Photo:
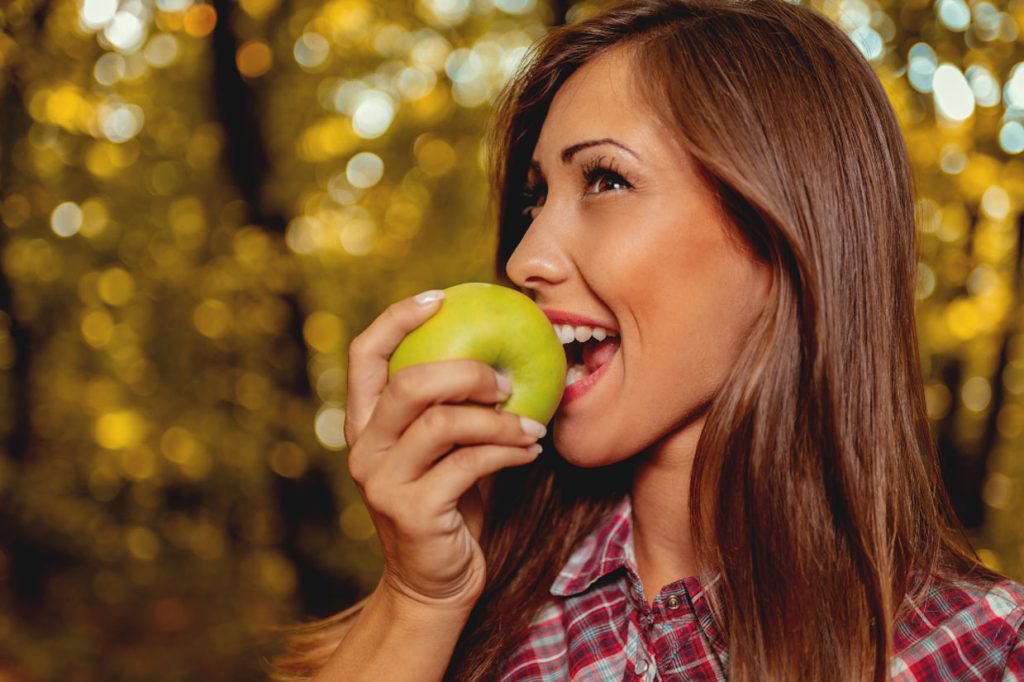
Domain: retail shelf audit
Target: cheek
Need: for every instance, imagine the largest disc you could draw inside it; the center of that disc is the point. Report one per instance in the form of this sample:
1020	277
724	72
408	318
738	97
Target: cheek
692	311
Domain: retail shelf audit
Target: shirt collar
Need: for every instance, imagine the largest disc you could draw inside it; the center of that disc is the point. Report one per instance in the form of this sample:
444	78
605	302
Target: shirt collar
600	553
608	548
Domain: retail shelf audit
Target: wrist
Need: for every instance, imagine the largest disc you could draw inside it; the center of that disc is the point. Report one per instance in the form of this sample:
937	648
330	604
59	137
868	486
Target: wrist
405	605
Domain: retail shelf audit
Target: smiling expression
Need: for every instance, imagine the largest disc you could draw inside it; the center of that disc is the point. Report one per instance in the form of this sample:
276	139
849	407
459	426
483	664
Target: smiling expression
625	229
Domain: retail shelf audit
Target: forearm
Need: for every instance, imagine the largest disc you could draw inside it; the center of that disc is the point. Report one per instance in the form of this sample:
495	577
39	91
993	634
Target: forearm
395	641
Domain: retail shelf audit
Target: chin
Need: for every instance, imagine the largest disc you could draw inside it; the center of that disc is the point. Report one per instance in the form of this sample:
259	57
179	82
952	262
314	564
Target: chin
577	452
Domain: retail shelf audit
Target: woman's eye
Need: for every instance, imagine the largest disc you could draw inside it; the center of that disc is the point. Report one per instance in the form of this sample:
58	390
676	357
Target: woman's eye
601	179
597	179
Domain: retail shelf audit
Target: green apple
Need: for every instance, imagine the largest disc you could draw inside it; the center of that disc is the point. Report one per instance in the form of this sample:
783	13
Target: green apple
502	328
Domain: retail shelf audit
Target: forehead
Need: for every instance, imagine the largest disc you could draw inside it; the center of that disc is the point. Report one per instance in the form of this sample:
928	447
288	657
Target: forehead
602	93
603	99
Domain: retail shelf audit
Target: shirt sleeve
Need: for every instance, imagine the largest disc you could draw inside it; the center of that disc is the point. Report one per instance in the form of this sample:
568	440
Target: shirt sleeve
1015	661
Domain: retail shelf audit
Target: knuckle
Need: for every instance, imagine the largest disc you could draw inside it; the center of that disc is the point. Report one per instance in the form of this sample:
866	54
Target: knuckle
468	459
437	419
375	498
404	386
356	349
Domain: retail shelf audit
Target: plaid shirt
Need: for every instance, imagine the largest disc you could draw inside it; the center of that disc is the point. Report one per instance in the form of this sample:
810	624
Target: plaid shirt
598	626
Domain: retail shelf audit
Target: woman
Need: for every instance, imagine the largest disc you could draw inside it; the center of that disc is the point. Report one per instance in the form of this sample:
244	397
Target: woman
748	490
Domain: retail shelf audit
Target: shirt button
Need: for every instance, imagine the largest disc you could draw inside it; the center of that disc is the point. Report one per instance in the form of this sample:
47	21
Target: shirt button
673	602
640	667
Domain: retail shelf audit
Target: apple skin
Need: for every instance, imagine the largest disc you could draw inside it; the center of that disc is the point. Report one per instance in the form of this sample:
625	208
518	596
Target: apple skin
502	328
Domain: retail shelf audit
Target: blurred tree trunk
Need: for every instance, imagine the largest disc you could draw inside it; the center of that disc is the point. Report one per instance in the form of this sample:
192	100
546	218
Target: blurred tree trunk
15	126
308	500
560	8
966	467
32	558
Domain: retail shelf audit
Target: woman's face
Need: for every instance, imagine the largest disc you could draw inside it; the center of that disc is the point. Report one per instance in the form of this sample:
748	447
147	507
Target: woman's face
627	233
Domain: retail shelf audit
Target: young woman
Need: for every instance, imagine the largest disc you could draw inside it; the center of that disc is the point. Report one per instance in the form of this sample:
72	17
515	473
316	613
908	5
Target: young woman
747	486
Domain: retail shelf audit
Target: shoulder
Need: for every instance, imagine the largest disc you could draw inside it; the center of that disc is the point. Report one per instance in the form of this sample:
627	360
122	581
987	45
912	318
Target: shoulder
959	629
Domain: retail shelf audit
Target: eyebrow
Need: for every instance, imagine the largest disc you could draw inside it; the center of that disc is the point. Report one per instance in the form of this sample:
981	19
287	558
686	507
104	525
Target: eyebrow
572	150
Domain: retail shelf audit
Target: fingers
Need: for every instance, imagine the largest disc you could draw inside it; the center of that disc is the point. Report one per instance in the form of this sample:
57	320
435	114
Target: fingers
453	476
442	428
414	389
369	352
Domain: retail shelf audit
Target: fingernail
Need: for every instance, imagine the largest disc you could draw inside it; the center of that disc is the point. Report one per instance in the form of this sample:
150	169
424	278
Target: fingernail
429	296
504	384
532	427
536	448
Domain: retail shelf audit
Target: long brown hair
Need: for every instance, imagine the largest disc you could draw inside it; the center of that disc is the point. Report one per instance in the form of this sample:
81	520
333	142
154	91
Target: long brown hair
815	491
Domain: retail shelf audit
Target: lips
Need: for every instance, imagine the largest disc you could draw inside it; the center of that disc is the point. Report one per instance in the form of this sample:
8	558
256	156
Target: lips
584	384
587	358
563	317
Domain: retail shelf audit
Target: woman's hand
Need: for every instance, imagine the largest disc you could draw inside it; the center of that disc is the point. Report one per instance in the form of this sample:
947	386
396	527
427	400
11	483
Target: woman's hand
416	452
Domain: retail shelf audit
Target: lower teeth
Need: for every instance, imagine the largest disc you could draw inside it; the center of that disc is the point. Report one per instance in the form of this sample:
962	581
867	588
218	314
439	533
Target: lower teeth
575	373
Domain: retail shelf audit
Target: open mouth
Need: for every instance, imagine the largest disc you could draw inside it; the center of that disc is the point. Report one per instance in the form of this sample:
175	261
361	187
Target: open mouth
586	350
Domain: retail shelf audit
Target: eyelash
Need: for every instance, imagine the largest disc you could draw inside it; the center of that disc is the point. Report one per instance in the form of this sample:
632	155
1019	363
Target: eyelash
594	169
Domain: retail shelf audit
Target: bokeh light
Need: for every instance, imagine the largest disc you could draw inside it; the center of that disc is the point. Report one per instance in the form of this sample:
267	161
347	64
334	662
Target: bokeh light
953	96
372	113
66	219
254	58
311	50
364	170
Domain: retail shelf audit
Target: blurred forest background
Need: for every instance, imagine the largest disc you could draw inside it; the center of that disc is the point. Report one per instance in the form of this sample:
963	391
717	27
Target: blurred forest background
203	202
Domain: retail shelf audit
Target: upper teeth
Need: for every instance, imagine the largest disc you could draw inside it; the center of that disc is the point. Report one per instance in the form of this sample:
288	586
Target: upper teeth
568	333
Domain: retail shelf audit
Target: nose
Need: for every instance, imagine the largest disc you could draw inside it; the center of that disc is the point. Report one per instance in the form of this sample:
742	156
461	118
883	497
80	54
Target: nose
539	261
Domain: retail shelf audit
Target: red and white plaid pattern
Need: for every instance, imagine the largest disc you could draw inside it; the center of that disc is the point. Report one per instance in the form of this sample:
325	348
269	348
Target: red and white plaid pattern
598	626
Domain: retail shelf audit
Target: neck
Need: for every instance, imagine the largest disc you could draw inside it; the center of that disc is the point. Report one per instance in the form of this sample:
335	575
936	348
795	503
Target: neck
661	516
